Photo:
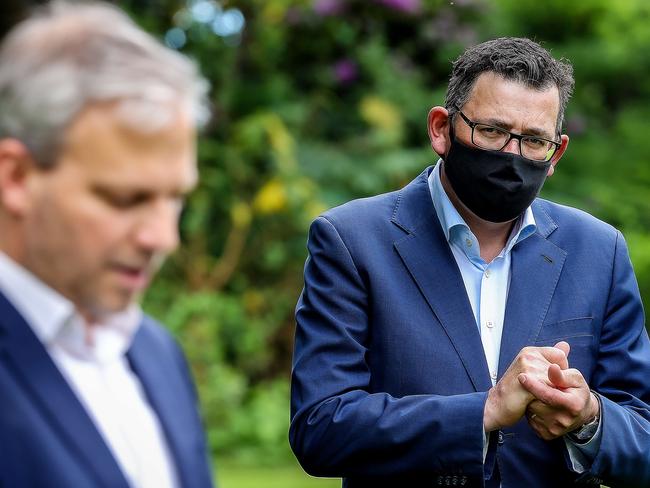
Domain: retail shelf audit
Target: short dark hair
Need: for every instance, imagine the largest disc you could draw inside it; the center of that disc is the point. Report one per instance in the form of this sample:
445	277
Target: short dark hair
513	58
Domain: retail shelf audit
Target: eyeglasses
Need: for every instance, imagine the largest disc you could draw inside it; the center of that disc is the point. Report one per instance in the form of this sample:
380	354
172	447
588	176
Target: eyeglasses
495	138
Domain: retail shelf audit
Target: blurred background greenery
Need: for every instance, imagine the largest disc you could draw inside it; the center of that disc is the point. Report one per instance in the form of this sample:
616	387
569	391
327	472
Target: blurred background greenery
320	101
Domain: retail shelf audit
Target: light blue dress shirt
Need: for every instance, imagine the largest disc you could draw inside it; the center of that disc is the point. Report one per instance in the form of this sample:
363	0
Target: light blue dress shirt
487	289
486	283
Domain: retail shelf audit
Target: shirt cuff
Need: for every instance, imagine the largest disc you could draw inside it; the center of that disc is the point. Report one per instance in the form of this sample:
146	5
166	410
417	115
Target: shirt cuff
486	443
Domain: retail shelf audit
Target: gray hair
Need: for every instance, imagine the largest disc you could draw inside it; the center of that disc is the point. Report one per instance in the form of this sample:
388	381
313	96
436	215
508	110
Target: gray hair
67	56
515	59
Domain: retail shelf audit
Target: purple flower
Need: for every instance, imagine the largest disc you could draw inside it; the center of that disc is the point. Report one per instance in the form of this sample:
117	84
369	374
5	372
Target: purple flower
407	6
345	71
328	7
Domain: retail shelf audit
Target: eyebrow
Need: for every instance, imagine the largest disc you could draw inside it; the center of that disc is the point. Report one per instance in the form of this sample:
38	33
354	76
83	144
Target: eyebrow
530	131
108	190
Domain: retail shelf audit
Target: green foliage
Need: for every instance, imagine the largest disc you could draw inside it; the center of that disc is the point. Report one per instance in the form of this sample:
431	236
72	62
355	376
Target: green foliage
313	108
232	475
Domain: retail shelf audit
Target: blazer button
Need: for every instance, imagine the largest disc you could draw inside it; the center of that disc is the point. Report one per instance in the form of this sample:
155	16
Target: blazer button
501	438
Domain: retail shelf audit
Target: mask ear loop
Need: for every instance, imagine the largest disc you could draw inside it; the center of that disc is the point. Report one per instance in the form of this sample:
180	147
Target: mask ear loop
452	132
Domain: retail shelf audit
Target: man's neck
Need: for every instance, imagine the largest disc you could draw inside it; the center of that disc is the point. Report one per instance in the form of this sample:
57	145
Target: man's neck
492	236
11	246
11	238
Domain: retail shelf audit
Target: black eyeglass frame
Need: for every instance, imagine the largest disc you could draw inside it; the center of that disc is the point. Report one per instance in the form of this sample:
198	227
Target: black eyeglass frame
512	135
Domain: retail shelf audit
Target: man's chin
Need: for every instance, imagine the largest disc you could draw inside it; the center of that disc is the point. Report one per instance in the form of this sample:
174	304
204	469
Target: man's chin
111	304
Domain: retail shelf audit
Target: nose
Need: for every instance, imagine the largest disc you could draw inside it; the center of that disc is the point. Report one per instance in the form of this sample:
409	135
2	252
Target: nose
157	231
512	146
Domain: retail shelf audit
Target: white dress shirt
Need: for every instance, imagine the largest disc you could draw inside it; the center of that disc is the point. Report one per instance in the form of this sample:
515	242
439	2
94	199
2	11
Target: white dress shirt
487	287
92	360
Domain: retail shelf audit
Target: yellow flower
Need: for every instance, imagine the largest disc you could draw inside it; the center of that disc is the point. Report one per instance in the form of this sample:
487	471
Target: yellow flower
380	113
271	198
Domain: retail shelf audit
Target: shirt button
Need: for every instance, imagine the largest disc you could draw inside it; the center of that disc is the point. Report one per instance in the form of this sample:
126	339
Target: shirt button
468	242
489	324
500	439
487	273
493	375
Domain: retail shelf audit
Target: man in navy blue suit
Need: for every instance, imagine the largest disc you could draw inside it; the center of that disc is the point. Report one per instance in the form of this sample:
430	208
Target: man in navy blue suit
97	151
462	331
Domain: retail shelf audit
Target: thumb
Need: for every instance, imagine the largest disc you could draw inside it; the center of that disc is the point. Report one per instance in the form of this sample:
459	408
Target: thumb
564	346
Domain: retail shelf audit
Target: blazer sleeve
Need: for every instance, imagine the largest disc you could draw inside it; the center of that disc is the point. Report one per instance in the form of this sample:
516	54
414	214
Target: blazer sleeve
339	427
622	377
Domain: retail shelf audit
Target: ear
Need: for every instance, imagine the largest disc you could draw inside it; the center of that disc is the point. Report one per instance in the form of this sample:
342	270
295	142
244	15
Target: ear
564	142
438	128
16	164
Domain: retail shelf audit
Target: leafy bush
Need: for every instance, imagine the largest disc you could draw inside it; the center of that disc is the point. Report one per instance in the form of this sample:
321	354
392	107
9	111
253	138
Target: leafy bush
318	102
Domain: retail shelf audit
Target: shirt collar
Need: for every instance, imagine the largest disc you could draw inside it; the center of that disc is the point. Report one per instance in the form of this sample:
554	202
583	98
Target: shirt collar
56	322
454	226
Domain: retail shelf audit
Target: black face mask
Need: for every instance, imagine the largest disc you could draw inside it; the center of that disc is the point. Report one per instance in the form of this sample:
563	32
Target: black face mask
496	186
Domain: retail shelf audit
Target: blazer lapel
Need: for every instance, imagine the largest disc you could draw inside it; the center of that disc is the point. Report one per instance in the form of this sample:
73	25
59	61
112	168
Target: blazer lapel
430	262
163	385
34	369
536	267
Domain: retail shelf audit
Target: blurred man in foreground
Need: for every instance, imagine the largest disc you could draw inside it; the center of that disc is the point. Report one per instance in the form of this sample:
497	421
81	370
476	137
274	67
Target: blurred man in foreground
97	151
461	331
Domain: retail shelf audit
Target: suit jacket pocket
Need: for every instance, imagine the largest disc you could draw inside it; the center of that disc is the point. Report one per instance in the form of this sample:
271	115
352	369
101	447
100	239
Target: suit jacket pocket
576	332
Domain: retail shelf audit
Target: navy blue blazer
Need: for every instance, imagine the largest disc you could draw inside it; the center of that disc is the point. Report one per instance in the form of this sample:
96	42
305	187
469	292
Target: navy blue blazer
48	439
389	376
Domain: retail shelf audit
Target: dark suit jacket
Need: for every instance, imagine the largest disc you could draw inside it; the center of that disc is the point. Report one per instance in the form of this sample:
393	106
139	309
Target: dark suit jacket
389	375
47	438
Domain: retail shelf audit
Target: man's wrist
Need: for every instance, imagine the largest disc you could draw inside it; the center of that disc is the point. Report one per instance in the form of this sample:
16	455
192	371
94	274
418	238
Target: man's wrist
489	422
588	429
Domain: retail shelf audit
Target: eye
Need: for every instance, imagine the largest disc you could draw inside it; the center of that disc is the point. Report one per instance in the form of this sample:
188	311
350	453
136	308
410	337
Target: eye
124	200
535	143
490	132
